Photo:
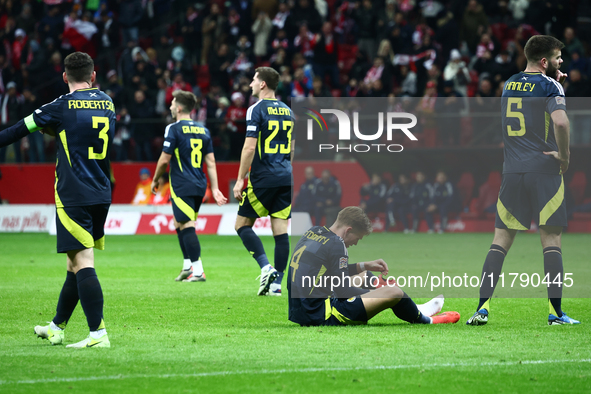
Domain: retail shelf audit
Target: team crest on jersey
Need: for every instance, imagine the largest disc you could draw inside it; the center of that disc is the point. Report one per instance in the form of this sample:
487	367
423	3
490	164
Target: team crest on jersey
351	299
560	100
343	262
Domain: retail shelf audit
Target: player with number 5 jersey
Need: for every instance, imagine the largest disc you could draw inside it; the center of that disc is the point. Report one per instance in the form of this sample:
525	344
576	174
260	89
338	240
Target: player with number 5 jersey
535	131
267	152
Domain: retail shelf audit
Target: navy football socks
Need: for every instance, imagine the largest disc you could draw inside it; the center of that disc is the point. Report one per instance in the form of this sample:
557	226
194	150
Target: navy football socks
183	249
407	310
493	264
91	297
253	244
192	245
281	255
67	301
554	269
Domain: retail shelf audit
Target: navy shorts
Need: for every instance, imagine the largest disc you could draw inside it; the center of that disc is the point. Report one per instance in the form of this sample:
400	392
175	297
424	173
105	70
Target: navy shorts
186	208
346	312
531	196
81	227
259	202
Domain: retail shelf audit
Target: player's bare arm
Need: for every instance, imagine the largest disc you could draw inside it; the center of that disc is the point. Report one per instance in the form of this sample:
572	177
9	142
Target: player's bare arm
378	265
163	162
213	180
561	133
246	158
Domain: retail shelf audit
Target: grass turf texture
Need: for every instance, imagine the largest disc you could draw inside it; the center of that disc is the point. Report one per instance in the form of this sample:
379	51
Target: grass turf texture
218	336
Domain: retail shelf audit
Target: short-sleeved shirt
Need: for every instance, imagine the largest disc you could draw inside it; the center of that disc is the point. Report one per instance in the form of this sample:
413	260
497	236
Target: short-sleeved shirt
527	102
271	122
318	256
188	142
84	125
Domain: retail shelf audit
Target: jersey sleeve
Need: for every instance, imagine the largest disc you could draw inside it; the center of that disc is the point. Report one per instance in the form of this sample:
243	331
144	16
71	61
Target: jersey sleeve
253	118
47	115
339	262
555	97
169	140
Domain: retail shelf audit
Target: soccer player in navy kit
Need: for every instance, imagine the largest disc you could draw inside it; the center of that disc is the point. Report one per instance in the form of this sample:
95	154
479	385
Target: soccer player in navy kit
83	122
187	146
536	150
267	151
321	257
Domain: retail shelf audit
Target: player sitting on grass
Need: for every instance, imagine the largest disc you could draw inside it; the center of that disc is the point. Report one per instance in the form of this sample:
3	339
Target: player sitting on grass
321	256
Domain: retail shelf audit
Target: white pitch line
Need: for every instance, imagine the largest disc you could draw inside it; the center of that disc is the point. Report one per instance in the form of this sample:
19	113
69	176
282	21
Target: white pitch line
282	371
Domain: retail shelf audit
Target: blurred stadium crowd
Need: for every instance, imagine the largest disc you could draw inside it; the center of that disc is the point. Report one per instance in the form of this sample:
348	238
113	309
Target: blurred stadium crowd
146	49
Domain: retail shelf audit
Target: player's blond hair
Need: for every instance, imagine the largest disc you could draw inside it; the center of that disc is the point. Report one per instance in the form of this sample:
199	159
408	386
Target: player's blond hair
357	219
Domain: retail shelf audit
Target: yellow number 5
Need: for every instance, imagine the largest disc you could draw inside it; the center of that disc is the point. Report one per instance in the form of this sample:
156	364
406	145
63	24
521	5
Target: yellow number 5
515	114
103	135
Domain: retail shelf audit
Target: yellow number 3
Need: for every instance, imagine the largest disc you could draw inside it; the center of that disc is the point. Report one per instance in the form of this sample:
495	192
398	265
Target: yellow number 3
515	114
103	135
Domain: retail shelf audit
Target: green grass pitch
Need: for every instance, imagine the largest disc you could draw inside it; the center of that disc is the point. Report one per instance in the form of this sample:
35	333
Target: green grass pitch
218	336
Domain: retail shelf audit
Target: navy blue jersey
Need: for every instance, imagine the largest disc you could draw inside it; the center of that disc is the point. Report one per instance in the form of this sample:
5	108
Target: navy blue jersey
401	194
318	256
528	131
422	194
328	191
84	124
306	196
188	142
443	193
271	122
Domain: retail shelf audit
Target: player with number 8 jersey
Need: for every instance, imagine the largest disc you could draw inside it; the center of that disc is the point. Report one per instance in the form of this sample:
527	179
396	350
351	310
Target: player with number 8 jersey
267	152
187	147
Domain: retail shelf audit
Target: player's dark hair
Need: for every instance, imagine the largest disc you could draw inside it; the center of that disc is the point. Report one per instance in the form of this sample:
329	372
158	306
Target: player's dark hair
538	47
355	218
269	76
79	67
185	99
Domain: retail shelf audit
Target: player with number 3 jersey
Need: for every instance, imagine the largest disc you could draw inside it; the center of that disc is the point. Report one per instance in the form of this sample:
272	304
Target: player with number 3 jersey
83	122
